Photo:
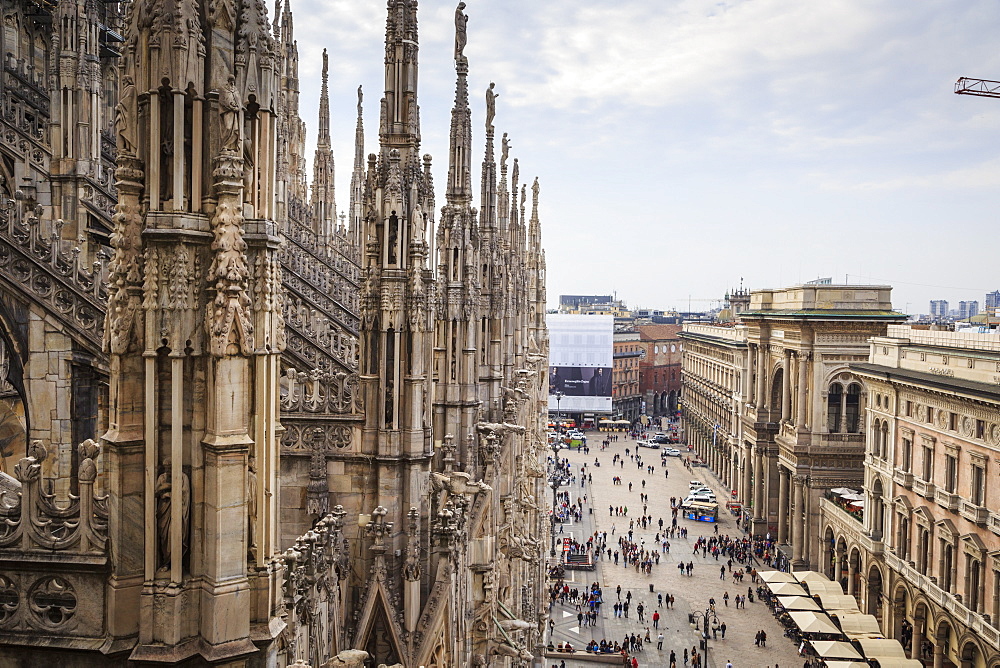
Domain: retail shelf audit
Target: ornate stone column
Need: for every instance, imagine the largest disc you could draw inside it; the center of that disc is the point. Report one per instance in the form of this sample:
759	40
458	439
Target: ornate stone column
798	519
761	376
758	486
801	408
783	510
786	385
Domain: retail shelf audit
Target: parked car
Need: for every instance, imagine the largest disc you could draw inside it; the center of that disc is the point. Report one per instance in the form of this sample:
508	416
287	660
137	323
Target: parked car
695	484
671	452
647	444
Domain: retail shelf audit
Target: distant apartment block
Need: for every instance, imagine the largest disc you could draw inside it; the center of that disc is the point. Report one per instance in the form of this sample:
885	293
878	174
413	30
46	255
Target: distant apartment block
939	308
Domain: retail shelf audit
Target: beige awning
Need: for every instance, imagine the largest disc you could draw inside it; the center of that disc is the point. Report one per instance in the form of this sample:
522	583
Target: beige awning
878	648
776	576
821	587
835	649
813	622
838	602
797	603
896	662
787	589
810	576
846	664
856	624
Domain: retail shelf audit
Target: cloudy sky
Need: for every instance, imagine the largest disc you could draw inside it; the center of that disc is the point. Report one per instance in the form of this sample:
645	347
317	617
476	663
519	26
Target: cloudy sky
684	144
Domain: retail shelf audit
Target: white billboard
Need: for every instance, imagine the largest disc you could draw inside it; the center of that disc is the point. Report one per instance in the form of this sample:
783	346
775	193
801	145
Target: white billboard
581	358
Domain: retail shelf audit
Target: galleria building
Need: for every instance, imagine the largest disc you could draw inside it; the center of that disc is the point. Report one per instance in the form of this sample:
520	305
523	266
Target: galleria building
236	428
817	391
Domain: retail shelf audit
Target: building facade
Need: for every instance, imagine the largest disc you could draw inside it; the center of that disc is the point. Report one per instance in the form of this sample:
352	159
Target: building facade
929	552
715	372
626	399
660	370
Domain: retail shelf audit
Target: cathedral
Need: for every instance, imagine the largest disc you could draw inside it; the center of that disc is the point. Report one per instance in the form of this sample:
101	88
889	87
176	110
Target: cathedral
241	426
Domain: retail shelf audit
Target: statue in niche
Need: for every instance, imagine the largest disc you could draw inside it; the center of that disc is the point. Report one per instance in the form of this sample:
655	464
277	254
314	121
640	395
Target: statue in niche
418	223
126	106
393	236
491	105
461	31
230	106
388	402
252	508
165	498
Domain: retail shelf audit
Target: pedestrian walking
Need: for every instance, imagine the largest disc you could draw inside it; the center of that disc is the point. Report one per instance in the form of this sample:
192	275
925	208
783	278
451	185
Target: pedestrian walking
722	629
659	640
656	620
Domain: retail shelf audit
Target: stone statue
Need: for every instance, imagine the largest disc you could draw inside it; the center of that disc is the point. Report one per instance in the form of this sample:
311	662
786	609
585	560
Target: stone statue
461	31
417	221
361	97
491	105
252	508
349	658
126	106
164	502
504	150
230	106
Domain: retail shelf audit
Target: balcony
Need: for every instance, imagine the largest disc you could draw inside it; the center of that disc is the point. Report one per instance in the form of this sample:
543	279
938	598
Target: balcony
973	513
924	488
994	523
946	499
873	545
904	478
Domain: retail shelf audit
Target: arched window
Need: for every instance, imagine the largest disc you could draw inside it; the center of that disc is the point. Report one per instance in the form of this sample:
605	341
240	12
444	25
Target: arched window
776	389
853	409
834	403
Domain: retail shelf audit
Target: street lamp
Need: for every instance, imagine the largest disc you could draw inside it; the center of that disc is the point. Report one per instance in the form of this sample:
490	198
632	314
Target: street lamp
559	396
702	619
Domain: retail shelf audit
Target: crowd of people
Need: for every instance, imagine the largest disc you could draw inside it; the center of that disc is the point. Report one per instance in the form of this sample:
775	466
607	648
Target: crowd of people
739	558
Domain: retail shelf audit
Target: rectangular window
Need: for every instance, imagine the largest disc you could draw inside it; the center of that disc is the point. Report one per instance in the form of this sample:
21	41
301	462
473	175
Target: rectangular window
953	421
980	429
930	415
950	473
907	454
909	409
928	464
978	495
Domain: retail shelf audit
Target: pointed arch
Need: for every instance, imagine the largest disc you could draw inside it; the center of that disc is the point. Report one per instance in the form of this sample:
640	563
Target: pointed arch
377	627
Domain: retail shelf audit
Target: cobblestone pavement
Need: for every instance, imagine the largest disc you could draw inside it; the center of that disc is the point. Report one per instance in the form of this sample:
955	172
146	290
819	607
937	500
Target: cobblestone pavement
691	593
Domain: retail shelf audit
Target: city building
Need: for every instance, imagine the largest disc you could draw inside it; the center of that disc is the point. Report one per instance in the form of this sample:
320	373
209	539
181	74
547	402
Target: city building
992	301
939	308
660	369
716	383
967	309
252	435
927	555
626	399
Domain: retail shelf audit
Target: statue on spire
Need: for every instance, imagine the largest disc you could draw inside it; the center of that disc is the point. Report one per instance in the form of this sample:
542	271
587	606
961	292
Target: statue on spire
504	150
461	31
361	97
491	105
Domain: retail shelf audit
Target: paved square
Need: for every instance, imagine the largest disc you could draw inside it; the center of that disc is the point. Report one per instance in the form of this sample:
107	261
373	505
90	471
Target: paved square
691	593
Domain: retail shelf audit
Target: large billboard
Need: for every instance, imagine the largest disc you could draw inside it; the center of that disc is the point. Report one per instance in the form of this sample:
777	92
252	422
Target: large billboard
581	350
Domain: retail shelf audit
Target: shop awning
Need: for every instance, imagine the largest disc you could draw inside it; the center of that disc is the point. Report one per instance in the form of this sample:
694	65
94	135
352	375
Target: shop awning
797	603
787	589
813	622
810	576
776	576
817	587
835	649
881	648
837	602
859	625
896	662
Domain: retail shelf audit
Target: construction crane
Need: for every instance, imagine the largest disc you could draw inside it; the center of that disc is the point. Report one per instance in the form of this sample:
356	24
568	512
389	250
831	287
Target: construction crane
980	87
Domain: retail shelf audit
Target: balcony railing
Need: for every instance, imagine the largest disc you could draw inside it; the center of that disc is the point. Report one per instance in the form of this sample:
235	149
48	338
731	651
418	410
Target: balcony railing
946	499
973	512
924	488
904	478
